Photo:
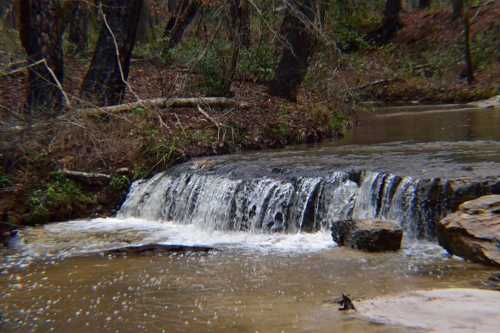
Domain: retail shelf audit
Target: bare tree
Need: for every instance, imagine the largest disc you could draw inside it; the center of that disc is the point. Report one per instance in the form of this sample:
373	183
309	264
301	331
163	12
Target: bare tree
469	69
105	81
458	8
391	23
41	37
299	42
241	13
184	13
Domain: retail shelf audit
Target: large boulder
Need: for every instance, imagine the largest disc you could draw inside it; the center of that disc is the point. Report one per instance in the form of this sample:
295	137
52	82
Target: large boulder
473	232
368	235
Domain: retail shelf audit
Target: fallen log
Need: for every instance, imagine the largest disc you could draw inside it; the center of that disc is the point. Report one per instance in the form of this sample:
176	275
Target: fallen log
181	102
86	177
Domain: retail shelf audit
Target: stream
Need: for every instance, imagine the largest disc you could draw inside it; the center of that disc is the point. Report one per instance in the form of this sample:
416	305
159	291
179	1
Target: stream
275	268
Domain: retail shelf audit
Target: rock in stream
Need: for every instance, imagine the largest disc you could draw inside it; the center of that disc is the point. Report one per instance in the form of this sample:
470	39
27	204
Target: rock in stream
368	235
473	232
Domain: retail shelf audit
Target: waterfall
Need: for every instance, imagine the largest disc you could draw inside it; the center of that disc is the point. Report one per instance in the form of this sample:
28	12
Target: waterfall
288	204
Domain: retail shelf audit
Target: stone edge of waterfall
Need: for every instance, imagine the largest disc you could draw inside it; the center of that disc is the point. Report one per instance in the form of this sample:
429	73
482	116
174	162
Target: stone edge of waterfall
291	203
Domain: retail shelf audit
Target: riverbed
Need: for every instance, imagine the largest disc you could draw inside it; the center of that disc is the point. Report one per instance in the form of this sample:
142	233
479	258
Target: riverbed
55	279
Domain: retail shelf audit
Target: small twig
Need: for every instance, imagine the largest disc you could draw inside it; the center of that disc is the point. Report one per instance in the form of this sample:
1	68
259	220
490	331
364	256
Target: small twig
180	124
163	124
203	112
58	83
23	68
51	72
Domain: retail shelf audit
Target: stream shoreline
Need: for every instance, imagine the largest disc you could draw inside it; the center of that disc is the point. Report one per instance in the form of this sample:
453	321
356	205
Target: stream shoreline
102	198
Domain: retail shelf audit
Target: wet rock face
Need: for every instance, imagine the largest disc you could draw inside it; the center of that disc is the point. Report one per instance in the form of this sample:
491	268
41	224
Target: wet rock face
368	235
473	232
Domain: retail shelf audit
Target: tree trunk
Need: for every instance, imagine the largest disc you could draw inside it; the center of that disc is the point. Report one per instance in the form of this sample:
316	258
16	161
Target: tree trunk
11	14
468	70
391	23
144	30
105	81
236	36
299	42
79	26
458	8
41	37
423	4
245	24
184	15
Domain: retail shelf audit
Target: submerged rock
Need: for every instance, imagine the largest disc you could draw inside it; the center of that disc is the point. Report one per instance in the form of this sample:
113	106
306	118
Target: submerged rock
445	310
473	232
368	235
7	232
151	249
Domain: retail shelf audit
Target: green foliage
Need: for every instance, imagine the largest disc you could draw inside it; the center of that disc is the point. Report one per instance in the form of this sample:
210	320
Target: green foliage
258	63
153	49
209	62
157	150
59	197
119	183
184	54
348	39
5	181
353	18
139	111
486	48
212	68
281	129
337	122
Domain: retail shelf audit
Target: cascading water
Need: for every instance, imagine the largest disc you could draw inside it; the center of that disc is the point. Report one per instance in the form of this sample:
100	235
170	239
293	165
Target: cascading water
289	204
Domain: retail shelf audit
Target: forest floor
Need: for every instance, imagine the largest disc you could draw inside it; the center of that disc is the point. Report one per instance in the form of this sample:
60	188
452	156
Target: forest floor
422	64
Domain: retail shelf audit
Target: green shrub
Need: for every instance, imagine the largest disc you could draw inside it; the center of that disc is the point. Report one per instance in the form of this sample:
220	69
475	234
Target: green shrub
258	63
59	198
119	183
5	181
485	49
212	67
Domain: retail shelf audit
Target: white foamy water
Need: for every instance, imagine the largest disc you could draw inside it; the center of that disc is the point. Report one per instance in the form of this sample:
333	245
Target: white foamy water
87	236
